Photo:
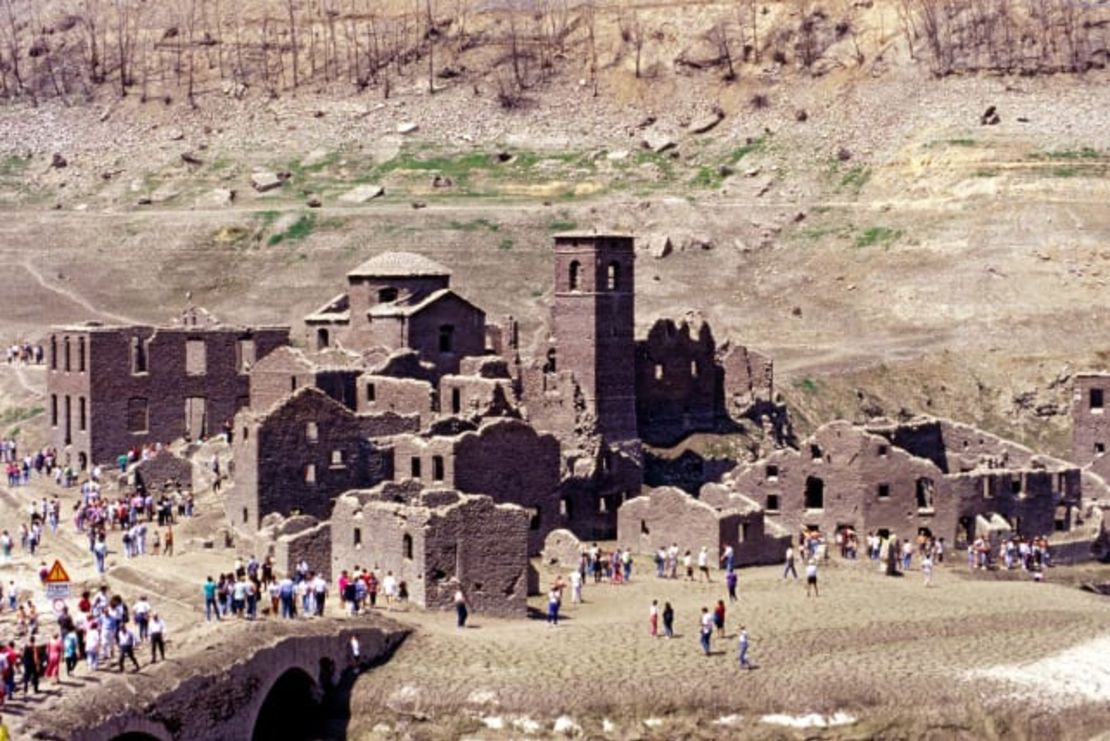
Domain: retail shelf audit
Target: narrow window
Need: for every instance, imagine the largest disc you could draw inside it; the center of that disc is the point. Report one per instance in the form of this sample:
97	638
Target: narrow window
613	276
406	546
68	420
196	358
564	507
884	491
65	344
437	468
1015	485
815	452
575	271
602	504
658	372
80	354
772	473
310	473
53	410
693	369
882	451
138	355
415	467
245	518
742	533
323	339
1100	448
446	338
137	414
387	295
81	424
358	537
244	355
550	366
534	523
456	400
53	352
371	393
815	493
292	383
1096	400
246	433
772	502
337	457
644	530
311	432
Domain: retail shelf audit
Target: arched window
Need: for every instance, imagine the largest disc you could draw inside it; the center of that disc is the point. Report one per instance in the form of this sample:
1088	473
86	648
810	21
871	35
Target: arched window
406	546
575	275
53	352
322	338
613	277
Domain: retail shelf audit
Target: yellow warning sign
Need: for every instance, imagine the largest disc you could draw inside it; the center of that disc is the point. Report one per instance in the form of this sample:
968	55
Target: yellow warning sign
57	574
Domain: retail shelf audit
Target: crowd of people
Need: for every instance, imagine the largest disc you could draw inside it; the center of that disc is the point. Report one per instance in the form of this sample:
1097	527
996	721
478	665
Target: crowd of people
24	353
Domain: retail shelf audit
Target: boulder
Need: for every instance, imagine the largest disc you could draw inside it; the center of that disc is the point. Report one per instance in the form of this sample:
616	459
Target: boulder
216	198
176	135
314	201
707	122
659	246
362	194
658	142
407	127
58	161
266	181
697	242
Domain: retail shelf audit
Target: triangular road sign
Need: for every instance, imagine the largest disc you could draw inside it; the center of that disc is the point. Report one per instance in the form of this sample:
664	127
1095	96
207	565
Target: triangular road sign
57	574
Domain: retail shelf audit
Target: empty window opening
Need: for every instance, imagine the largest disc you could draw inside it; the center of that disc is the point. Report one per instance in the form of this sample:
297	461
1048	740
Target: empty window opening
772	502
1100	448
815	452
987	492
564	507
80	354
693	369
137	414
534	522
1096	400
65	344
196	417
68	420
406	546
613	276
415	467
323	338
246	433
196	360
456	401
575	275
311	432
138	356
81	424
447	338
358	537
337	457
387	295
245	515
815	493
658	372
644	530
53	352
53	410
371	392
742	532
244	355
772	473
550	366
924	493
310	473
884	491
292	383
437	468
1016	485
602	504
883	451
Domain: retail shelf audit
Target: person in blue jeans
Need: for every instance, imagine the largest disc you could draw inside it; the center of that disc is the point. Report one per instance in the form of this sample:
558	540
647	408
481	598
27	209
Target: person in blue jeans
706	629
553	607
743	649
210	605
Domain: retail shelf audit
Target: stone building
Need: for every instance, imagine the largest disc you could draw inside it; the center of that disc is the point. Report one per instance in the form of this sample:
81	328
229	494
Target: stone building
436	540
401	300
1090	423
300	454
159	472
666	515
928	475
112	388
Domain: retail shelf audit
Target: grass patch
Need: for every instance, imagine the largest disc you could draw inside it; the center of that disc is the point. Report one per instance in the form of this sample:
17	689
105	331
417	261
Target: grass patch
13	165
856	178
877	235
14	415
755	145
707	177
505	244
1064	172
475	225
985	172
563	223
807	385
300	230
269	217
960	142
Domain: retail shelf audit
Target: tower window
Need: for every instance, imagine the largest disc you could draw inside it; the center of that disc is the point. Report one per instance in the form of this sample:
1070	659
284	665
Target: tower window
53	352
387	295
415	467
613	276
323	339
138	356
65	344
80	354
358	537
446	338
456	401
772	502
311	432
884	491
575	275
772	473
1096	399
406	546
437	468
371	392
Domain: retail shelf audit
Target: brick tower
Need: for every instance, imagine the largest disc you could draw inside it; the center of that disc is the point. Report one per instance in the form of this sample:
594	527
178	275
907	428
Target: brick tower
593	319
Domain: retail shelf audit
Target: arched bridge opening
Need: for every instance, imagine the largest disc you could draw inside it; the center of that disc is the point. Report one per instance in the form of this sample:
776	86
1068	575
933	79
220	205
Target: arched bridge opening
292	709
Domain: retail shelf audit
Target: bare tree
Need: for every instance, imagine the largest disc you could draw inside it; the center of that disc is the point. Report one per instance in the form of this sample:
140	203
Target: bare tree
720	37
291	6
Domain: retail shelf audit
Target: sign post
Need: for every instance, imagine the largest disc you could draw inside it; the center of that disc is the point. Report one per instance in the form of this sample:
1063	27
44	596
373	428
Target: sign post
57	582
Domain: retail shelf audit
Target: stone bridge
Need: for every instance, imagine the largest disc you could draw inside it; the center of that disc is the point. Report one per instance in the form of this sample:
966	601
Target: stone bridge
267	680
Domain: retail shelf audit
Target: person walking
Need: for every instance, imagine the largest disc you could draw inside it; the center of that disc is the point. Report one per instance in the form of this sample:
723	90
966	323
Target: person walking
210	605
811	578
719	618
731	580
157	638
54	658
703	563
653	619
743	649
789	564
553	608
126	640
706	629
32	666
460	609
927	569
70	651
728	557
668	620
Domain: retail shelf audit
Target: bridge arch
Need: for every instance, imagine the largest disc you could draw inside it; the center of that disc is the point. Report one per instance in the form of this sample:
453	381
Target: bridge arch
290	708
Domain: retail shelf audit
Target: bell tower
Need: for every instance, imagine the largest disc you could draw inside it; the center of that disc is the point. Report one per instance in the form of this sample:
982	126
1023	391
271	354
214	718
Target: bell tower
593	320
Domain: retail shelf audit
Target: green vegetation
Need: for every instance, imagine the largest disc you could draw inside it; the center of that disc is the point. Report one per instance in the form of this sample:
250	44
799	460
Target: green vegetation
1083	153
300	229
707	177
961	142
985	172
563	223
807	385
505	245
856	178
877	235
475	225
14	415
1064	172
13	165
755	145
269	217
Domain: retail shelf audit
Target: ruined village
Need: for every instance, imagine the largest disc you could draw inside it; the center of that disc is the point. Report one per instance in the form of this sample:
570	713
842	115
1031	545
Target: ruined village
647	369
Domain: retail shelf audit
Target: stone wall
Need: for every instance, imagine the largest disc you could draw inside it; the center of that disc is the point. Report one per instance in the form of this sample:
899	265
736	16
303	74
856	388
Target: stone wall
678	382
161	470
1091	422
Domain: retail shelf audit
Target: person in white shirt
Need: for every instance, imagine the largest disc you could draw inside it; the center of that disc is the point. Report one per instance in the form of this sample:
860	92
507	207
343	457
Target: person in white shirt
157	638
576	587
703	562
389	586
811	577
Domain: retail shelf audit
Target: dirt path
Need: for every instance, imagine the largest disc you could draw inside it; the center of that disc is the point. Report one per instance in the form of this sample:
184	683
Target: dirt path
72	296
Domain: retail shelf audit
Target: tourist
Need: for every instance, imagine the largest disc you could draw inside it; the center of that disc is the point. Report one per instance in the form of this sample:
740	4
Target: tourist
672	560
731	580
126	640
70	651
927	569
389	587
703	562
288	603
460	609
811	577
688	564
743	649
668	620
54	658
372	586
576	587
660	562
157	638
210	605
320	593
789	561
553	608
907	555
141	612
719	618
92	646
626	564
653	619
727	558
31	665
706	629
168	541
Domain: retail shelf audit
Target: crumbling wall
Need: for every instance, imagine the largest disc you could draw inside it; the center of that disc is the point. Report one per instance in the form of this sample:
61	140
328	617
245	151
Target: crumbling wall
312	544
379	394
562	548
678	381
161	471
668	515
1090	420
